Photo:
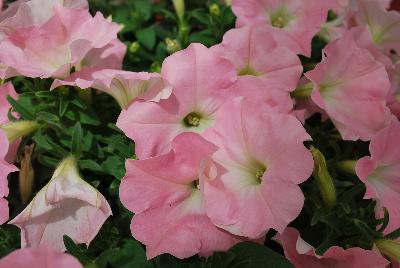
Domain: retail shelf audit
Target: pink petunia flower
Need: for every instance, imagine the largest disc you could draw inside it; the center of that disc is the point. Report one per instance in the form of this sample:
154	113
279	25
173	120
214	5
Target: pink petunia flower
165	193
261	155
28	13
303	255
69	36
67	205
275	65
380	171
351	86
43	256
200	80
384	25
300	20
124	86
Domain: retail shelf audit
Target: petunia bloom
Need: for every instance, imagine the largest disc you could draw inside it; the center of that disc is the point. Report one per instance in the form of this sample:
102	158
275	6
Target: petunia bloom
256	175
29	13
381	171
275	65
68	36
300	20
303	255
124	86
43	256
67	205
200	80
165	193
351	86
384	25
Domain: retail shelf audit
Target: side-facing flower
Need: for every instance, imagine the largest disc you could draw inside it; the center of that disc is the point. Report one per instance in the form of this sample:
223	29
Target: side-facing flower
299	19
351	86
381	171
43	256
66	205
384	25
165	193
272	63
124	86
303	255
261	160
199	78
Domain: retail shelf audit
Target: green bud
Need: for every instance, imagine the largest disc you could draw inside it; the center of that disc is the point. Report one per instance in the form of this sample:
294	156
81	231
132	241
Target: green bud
390	248
214	9
134	47
18	129
323	178
172	45
179	6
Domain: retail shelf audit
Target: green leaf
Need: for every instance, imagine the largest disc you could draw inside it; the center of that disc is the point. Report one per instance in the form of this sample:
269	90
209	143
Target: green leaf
76	144
253	255
25	114
147	37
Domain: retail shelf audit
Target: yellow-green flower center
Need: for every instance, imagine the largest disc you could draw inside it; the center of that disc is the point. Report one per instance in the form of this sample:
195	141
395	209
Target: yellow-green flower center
192	120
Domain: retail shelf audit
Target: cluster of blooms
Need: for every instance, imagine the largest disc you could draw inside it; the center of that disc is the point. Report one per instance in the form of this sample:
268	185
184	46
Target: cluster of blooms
218	135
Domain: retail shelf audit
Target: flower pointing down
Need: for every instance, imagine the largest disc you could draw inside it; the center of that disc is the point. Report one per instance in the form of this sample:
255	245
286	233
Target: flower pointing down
67	205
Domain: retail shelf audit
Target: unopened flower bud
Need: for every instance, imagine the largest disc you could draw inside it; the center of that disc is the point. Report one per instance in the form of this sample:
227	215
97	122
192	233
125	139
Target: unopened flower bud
323	178
172	45
390	248
179	6
26	174
214	9
18	129
134	47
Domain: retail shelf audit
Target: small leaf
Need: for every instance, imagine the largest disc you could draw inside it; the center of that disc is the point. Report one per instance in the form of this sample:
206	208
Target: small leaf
76	144
147	37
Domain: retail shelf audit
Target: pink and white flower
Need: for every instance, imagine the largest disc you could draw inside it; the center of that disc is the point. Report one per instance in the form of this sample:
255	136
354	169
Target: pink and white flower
272	63
300	20
351	86
67	205
302	254
200	80
165	193
124	86
43	256
68	36
260	162
380	172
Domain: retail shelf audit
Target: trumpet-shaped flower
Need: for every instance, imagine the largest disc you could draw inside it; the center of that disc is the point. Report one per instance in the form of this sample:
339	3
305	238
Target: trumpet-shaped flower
124	86
300	20
43	256
380	171
384	25
270	62
351	86
302	255
200	81
256	174
68	37
67	205
165	193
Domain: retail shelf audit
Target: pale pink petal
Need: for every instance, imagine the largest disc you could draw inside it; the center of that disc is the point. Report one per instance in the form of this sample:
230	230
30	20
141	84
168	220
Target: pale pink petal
200	80
256	171
43	256
351	86
67	205
299	20
335	257
272	63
